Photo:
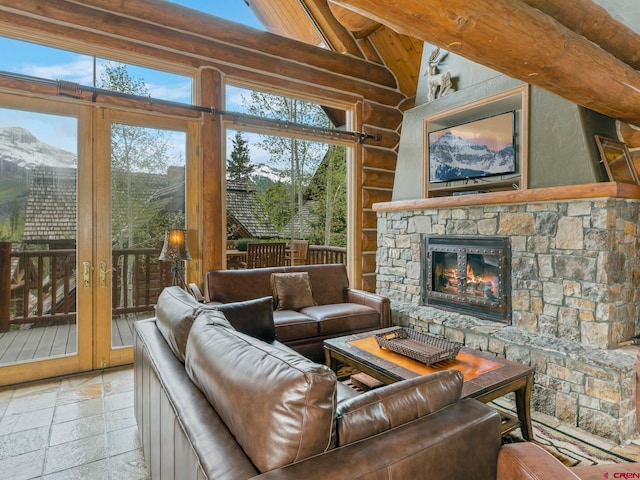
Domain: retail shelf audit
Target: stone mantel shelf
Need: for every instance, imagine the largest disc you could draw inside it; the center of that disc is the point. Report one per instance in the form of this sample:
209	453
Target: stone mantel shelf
549	194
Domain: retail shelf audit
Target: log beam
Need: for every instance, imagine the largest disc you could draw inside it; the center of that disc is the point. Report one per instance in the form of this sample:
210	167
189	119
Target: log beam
339	39
594	22
121	32
520	41
225	32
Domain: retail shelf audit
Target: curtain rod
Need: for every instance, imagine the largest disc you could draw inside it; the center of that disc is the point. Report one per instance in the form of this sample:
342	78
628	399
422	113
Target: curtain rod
73	89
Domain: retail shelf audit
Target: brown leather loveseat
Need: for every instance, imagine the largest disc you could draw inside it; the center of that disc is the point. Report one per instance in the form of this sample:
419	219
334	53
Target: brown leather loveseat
335	309
215	402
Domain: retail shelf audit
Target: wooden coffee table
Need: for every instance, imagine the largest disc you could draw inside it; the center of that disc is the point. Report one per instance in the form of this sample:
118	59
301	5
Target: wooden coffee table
487	377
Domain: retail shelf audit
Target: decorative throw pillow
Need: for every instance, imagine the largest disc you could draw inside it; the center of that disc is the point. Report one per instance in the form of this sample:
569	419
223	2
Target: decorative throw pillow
252	317
292	291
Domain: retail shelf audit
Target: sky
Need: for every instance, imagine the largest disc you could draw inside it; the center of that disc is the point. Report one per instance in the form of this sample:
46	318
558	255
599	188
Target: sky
53	64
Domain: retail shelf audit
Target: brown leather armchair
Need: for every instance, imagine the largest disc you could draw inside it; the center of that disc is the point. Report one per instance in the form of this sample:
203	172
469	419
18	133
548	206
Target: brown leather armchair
528	461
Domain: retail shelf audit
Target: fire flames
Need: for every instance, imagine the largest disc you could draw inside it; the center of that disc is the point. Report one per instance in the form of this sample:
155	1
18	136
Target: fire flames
484	286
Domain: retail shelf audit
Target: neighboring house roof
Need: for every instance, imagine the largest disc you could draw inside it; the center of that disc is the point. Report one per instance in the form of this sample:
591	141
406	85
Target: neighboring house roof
52	199
245	212
51	205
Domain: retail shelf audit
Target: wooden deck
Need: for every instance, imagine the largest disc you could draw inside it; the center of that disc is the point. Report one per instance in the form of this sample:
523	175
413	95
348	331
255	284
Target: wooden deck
31	343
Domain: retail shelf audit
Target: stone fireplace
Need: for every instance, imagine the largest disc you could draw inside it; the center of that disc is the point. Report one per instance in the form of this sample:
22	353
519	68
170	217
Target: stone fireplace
469	275
574	292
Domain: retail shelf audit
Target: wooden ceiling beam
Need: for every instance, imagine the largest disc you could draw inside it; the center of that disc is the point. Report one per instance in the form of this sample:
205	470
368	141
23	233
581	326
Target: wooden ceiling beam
520	41
209	27
339	39
360	25
106	30
596	24
287	18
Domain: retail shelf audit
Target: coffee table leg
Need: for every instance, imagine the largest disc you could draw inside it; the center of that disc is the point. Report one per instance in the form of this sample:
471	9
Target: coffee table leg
523	407
330	360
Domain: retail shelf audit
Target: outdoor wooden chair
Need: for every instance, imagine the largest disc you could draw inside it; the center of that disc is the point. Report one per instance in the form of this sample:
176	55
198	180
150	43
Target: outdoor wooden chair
299	252
267	254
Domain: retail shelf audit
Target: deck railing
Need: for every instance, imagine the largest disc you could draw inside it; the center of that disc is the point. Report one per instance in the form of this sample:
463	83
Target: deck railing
42	287
322	254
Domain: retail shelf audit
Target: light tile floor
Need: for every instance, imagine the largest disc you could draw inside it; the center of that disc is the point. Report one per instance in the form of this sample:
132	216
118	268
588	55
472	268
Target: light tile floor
83	427
78	427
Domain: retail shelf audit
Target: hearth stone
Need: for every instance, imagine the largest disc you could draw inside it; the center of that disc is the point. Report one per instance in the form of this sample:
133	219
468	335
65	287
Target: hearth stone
587	387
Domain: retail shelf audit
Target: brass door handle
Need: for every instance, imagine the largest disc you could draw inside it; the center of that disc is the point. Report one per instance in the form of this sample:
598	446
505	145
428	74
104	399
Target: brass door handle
102	273
86	274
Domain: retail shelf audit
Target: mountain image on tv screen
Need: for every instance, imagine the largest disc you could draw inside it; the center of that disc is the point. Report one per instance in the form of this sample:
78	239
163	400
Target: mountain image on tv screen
477	149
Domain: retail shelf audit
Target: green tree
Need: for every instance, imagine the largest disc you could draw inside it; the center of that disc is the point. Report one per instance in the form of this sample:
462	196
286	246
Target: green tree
328	194
137	154
275	199
239	166
300	157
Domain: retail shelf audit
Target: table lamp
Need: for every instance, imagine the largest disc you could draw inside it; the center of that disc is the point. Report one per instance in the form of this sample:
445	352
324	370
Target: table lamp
175	249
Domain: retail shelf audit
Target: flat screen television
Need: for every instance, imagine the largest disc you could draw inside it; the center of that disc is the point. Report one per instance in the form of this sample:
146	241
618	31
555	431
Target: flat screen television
481	148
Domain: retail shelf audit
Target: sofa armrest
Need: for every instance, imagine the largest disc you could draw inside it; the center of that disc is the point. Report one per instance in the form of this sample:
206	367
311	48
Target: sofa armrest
527	461
381	304
459	441
393	405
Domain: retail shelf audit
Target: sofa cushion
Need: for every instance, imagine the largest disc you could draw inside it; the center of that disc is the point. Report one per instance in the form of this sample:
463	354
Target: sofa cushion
227	286
293	325
252	317
291	291
387	407
342	317
278	405
175	312
329	281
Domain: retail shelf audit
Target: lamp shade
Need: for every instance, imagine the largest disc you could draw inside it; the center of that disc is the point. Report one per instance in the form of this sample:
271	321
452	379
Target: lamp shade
175	246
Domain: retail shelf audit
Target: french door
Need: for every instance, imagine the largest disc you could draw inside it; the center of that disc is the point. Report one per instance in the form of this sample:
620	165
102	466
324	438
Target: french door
81	228
142	193
46	235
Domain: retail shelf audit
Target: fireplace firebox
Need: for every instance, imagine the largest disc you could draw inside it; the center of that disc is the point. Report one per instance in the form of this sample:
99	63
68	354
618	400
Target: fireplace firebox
470	275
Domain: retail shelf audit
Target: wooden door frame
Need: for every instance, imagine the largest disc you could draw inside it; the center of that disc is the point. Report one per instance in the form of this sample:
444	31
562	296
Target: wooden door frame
104	355
81	360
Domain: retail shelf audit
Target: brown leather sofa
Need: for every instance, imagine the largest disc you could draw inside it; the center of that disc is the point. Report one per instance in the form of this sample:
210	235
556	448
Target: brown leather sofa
339	310
214	402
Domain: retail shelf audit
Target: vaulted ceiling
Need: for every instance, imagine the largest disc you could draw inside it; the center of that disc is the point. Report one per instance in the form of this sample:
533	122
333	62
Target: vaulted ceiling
583	50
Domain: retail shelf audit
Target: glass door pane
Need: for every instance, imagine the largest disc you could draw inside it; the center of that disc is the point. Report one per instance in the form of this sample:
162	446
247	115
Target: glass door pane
39	282
147	199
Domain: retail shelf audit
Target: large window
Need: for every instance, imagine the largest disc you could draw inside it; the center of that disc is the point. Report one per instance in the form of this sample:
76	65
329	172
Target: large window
49	63
296	184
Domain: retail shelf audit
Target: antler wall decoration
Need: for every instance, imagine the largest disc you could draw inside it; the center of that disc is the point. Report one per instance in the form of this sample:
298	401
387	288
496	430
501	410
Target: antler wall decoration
438	83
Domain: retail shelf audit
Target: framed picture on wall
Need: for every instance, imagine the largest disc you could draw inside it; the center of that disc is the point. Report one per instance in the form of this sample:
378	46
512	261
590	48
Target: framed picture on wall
616	159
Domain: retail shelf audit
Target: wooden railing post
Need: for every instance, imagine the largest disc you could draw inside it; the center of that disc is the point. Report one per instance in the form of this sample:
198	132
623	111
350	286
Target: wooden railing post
5	285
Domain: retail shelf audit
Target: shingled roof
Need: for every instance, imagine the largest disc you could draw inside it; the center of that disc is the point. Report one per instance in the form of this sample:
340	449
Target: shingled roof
245	214
51	205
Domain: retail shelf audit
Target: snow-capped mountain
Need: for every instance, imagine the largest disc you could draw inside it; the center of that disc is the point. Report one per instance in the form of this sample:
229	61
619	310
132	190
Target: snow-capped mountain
21	147
265	171
453	158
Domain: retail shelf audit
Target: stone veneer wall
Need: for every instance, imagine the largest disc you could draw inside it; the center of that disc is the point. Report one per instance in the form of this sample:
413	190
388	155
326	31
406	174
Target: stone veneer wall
575	294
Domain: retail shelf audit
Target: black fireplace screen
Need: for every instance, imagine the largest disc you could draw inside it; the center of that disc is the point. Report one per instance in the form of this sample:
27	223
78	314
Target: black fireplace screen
468	274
